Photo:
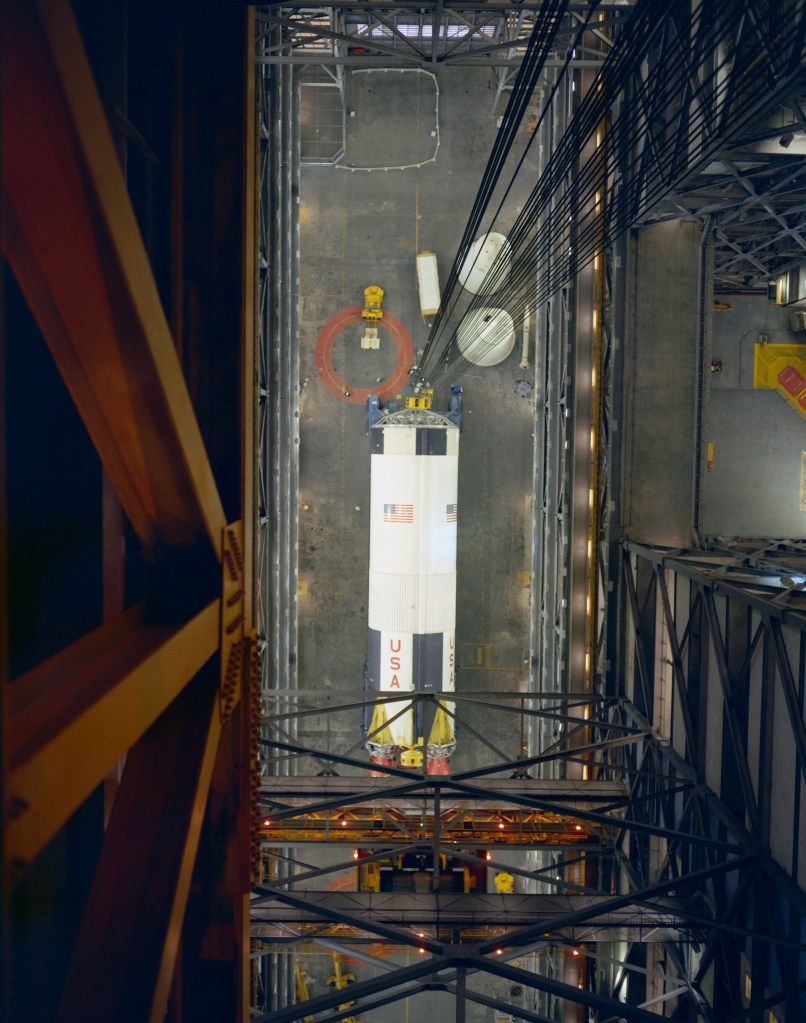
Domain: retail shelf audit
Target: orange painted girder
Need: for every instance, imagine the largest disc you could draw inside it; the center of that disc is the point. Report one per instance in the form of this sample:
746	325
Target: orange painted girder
74	245
125	956
72	718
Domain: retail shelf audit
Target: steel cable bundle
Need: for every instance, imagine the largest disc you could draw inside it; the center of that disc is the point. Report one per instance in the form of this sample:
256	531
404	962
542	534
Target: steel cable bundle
645	150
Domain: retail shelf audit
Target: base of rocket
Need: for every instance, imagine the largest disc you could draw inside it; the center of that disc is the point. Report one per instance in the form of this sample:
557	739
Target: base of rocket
381	761
411	603
385	750
435	764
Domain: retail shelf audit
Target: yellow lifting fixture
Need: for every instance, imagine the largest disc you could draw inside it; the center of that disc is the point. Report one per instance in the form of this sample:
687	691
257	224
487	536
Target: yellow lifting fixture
373	300
504	882
300	976
421	400
339	981
372	315
412	756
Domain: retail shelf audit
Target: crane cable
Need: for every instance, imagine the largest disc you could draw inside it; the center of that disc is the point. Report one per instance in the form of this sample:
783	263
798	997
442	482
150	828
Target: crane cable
527	82
547	23
540	239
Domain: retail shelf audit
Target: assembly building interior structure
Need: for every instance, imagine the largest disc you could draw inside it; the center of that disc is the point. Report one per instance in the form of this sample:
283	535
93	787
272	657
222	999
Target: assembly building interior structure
211	810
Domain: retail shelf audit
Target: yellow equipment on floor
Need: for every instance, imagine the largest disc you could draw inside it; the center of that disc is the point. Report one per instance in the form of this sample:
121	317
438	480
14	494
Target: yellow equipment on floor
301	978
412	756
339	981
504	883
421	400
373	300
783	368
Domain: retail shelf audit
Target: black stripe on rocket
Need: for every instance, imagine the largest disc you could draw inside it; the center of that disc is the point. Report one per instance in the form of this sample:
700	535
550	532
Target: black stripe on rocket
428	441
432	441
426	672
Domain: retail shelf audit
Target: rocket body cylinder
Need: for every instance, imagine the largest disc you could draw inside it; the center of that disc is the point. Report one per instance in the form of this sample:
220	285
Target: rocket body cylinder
412	569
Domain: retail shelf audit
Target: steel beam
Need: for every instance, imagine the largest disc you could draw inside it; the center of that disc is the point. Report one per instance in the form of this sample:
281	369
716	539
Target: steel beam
73	717
793	703
339	915
605	905
382	854
356	789
615	823
737	740
502	1007
721	573
607	1007
644	676
677	665
360	990
72	240
124	959
628	922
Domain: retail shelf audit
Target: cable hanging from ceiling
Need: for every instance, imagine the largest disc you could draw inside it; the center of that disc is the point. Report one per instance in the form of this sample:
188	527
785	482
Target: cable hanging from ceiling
592	190
527	80
547	24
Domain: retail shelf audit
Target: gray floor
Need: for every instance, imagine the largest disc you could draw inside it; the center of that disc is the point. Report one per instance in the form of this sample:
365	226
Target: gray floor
365	227
756	484
659	366
360	228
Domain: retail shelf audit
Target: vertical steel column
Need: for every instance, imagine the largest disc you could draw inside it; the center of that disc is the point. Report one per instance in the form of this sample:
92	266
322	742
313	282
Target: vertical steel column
705	302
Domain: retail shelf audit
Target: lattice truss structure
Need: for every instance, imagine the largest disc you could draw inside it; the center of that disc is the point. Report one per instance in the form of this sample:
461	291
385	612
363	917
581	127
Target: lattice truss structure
410	34
146	696
326	40
277	425
723	128
681	91
655	867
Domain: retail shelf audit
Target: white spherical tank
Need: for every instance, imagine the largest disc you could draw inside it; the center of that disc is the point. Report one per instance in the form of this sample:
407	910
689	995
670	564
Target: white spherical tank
483	253
486	336
412	579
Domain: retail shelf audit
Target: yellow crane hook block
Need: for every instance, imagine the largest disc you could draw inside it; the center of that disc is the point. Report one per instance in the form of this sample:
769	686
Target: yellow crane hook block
373	300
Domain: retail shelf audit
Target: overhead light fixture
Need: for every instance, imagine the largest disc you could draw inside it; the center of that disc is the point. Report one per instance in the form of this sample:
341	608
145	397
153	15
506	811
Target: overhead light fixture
786	140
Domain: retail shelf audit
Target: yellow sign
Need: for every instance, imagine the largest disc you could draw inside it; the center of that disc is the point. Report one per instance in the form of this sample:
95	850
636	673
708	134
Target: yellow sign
476	655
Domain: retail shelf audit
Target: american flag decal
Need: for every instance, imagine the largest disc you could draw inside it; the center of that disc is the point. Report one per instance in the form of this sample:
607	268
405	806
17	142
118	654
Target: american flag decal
398	513
451	512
